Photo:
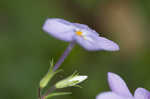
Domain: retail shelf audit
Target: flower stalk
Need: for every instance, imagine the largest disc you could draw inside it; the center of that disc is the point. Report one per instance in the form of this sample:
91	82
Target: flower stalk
64	55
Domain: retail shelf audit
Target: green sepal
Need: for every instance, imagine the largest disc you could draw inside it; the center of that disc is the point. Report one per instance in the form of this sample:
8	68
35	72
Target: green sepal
78	86
58	94
50	74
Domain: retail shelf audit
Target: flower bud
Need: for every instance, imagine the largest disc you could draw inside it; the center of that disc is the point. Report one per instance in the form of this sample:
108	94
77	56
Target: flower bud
72	80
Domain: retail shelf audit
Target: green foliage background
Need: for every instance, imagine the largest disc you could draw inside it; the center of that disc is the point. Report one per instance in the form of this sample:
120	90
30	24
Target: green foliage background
25	50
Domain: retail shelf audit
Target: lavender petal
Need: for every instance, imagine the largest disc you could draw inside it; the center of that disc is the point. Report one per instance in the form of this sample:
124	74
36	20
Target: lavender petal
110	95
59	28
94	43
141	93
118	85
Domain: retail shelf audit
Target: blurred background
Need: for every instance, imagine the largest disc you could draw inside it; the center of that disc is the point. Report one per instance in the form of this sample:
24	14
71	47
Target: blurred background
25	50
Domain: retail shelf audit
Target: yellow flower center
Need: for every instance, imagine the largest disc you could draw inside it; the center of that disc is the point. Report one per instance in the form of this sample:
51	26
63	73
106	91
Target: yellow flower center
79	33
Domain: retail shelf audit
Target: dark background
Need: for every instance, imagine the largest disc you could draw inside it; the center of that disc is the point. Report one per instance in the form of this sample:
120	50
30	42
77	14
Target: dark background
25	50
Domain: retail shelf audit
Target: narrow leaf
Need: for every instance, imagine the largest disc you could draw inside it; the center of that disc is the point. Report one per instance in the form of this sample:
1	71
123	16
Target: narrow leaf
57	94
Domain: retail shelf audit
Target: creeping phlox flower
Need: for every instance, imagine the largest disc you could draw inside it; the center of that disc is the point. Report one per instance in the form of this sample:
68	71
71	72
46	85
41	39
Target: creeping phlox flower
72	80
121	91
80	33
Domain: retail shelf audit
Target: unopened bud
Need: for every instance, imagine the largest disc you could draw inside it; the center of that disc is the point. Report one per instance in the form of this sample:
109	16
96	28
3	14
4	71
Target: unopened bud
72	80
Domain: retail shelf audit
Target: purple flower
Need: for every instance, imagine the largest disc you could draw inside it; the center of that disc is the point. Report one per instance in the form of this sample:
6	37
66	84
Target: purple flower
119	90
80	33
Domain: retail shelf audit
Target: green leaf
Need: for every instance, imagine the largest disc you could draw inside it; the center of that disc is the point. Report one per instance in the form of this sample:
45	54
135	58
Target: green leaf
58	94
